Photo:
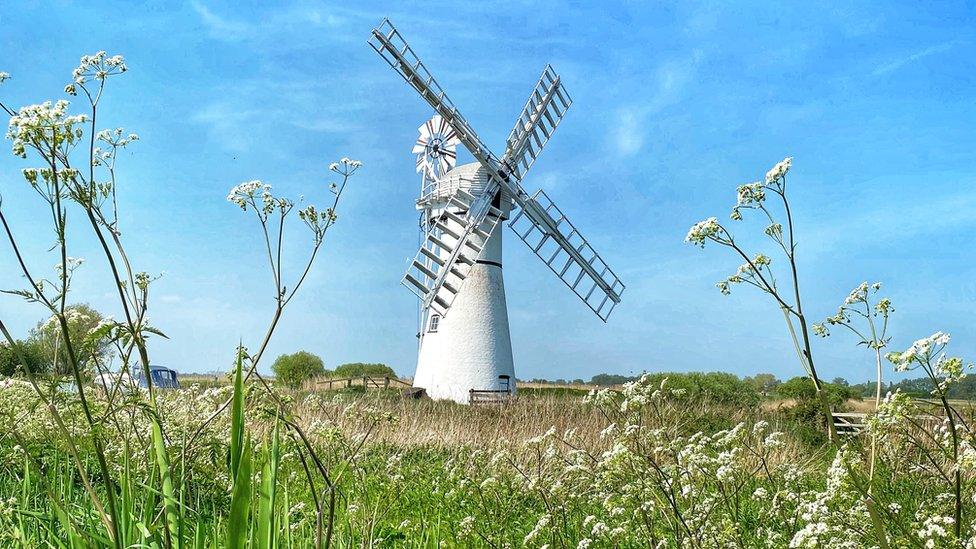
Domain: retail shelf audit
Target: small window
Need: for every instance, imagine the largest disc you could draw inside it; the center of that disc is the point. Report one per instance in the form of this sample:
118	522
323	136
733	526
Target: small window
435	321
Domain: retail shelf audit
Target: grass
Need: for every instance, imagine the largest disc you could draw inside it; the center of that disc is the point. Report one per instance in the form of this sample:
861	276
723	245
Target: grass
400	472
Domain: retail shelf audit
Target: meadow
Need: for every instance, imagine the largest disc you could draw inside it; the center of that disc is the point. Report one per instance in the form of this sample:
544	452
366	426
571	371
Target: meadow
660	461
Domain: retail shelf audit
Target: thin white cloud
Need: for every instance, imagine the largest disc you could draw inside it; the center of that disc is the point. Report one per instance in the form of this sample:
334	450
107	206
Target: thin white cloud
241	111
914	220
282	20
219	27
899	63
671	79
629	134
226	124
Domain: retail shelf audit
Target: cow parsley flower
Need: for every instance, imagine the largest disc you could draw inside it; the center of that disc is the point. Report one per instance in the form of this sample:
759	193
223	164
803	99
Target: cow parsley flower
920	351
750	195
244	194
859	294
98	67
702	231
466	526
779	170
43	125
4	76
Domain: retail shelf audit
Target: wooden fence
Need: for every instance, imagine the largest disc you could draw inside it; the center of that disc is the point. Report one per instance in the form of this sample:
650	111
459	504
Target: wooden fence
487	396
849	423
368	382
853	423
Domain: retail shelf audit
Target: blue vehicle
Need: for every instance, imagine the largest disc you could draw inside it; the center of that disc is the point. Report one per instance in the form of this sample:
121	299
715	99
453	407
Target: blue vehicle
162	378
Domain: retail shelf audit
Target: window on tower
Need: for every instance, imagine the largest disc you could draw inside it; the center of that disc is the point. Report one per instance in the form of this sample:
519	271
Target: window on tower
435	321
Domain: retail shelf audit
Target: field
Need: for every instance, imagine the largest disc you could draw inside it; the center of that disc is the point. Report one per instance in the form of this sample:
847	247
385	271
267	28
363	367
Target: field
428	472
629	467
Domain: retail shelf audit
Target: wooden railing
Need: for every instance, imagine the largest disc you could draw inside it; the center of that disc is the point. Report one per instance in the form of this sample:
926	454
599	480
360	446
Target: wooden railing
849	423
368	382
853	423
487	396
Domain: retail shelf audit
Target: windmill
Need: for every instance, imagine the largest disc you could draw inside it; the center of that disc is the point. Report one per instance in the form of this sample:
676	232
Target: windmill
465	343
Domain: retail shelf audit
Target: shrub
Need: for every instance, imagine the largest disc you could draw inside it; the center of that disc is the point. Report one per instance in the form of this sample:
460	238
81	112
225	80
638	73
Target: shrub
806	414
718	387
358	369
47	340
294	369
606	380
10	363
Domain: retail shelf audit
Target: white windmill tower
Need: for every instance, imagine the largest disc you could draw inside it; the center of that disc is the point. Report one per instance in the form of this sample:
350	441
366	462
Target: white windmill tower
457	273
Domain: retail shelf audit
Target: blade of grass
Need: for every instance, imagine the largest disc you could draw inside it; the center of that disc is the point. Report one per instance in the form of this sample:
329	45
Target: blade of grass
267	494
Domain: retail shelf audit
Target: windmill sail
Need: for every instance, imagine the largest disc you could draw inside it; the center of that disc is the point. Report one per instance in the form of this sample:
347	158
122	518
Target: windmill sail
449	250
554	239
545	108
437	280
430	277
391	46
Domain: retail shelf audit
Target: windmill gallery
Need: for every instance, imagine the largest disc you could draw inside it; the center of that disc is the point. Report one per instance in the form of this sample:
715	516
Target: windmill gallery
464	338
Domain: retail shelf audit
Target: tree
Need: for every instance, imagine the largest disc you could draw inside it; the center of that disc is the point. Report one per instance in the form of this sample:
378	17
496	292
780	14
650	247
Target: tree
764	383
606	380
48	339
10	362
359	369
294	369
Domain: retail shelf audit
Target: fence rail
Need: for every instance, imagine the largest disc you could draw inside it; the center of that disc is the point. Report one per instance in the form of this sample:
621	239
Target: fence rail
489	396
368	382
849	423
853	423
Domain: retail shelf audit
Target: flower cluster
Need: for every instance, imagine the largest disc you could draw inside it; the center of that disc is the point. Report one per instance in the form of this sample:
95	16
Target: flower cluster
704	230
857	305
920	352
244	194
96	67
778	172
114	140
750	194
46	127
345	166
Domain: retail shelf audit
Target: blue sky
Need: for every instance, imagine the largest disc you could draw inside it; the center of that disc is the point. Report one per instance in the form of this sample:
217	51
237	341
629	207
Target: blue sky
675	105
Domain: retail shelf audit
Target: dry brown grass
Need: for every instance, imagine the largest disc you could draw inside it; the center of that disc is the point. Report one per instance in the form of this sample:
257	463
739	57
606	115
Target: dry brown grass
440	423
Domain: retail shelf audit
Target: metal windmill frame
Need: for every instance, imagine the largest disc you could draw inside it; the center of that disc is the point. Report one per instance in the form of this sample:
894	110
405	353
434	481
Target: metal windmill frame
539	222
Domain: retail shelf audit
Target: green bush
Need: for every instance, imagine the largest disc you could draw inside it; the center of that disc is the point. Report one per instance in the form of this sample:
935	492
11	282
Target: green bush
10	363
294	369
719	387
606	380
806	415
359	369
801	389
82	320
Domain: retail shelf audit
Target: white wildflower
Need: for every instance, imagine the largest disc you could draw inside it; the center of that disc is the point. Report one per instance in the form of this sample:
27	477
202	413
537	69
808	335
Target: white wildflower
779	170
702	231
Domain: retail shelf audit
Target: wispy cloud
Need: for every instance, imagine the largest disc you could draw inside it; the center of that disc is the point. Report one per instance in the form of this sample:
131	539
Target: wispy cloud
259	107
671	79
226	124
283	20
899	63
629	134
915	220
220	27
